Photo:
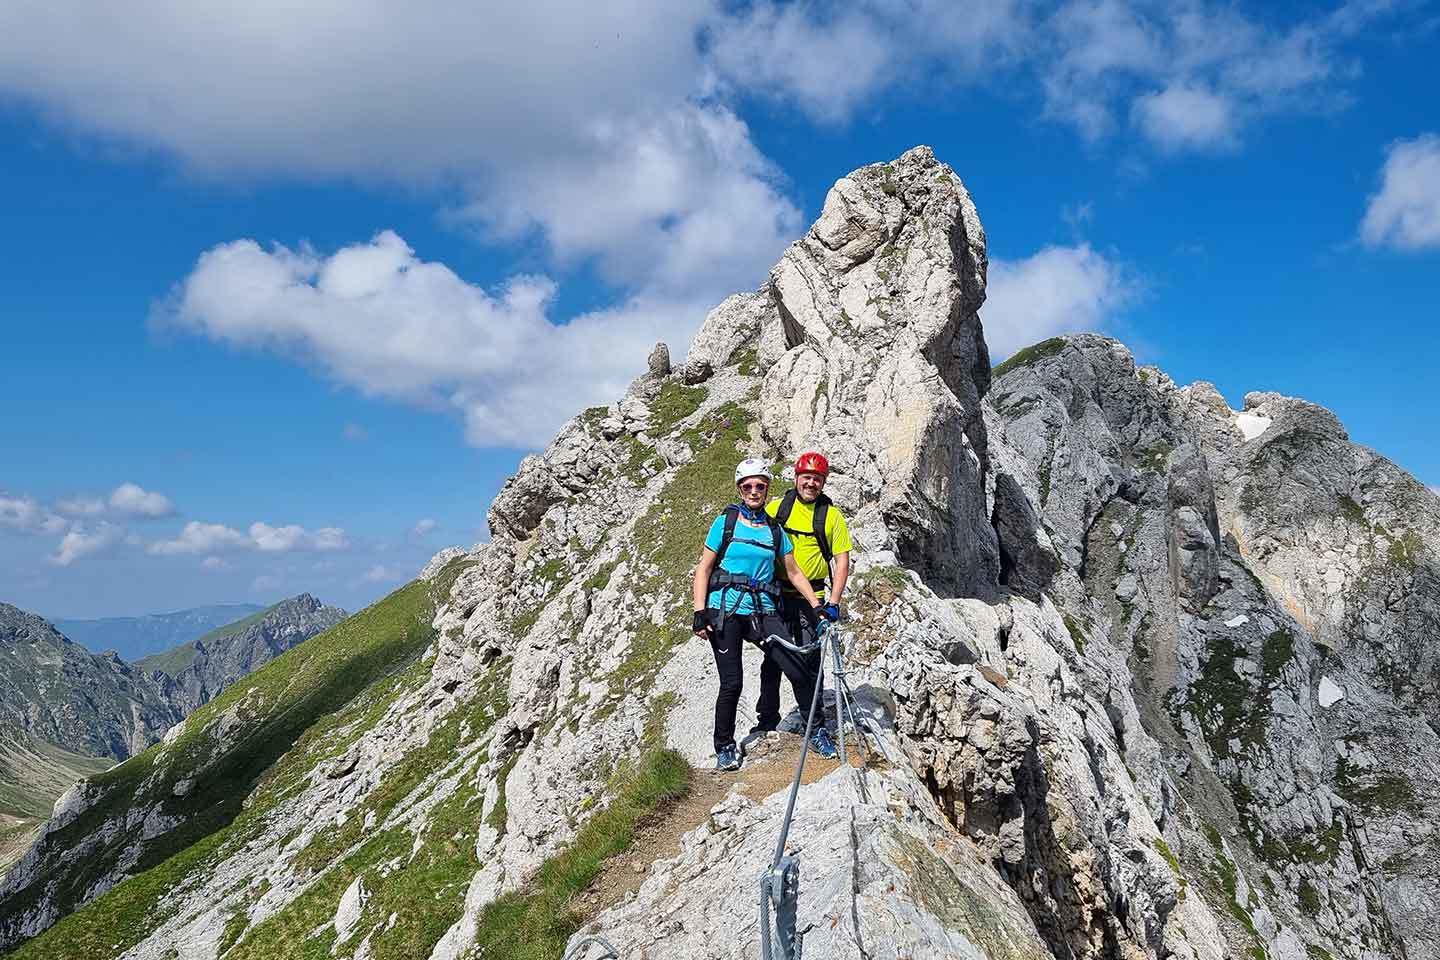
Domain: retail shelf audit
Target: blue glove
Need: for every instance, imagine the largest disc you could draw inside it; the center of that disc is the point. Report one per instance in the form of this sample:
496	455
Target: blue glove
830	611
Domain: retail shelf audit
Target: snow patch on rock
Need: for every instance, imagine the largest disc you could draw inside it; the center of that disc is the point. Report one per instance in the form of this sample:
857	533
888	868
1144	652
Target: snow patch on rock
1331	693
1252	425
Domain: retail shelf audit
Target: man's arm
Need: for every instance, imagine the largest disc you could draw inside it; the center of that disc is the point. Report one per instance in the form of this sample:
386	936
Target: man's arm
839	575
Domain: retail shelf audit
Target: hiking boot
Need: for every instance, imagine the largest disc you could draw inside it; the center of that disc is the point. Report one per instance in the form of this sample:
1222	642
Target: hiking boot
821	743
727	758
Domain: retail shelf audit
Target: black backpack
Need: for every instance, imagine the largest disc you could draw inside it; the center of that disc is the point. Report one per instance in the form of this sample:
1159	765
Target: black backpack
822	511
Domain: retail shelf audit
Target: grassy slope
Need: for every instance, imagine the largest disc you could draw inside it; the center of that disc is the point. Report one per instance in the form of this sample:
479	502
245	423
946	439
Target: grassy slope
175	659
290	712
34	772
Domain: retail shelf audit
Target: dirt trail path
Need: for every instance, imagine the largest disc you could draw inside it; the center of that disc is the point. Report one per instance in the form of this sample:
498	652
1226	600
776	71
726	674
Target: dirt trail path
768	767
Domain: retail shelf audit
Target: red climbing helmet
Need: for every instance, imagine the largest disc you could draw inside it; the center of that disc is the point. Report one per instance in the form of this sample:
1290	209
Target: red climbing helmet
812	462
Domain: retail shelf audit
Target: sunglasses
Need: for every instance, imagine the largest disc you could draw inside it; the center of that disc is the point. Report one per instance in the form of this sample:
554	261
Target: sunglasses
758	487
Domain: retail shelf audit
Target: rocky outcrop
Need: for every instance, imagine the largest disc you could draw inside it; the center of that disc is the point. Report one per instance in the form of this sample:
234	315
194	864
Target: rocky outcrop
1114	713
879	357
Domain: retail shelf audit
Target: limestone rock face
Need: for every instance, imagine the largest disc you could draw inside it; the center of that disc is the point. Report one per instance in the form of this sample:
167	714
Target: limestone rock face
885	362
1264	577
1126	658
1194	530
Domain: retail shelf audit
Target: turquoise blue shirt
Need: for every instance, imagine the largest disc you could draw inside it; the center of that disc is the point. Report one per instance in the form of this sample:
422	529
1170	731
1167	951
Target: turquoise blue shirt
751	554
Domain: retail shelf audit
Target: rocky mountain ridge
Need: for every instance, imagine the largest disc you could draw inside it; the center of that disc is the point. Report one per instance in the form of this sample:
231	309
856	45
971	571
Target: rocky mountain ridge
134	638
1136	661
192	674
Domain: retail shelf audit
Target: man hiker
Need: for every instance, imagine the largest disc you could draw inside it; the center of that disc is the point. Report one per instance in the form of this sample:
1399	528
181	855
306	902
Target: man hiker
821	542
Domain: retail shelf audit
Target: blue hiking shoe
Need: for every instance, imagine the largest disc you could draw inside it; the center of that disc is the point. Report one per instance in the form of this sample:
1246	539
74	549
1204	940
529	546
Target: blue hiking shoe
728	758
821	743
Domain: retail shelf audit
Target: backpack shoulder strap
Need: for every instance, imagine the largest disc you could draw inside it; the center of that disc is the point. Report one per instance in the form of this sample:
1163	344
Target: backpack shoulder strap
732	514
779	547
822	513
787	503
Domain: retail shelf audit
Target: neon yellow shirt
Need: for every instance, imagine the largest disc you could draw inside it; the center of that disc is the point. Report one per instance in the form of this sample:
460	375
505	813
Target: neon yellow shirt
801	528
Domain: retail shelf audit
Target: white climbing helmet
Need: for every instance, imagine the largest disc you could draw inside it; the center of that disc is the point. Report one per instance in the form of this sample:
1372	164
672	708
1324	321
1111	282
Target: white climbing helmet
752	467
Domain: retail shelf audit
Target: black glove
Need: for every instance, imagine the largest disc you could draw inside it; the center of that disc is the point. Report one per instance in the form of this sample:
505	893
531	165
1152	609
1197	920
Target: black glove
828	611
702	621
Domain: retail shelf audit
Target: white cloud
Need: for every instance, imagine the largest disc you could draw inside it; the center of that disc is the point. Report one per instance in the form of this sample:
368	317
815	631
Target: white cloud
284	539
132	500
1186	118
377	317
214	563
423	528
1191	76
197	537
1405	213
1058	290
830	59
82	542
28	515
590	122
81	506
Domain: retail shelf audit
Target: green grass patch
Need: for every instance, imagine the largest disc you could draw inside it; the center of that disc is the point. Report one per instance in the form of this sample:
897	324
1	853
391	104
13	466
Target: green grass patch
601	577
675	402
1351	510
1077	634
1164	850
1154	459
1320	847
536	921
1031	354
1278	651
1225	704
1309	898
746	361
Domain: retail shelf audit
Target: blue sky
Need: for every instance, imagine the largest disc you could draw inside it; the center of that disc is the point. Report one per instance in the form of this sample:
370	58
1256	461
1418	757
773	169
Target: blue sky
286	296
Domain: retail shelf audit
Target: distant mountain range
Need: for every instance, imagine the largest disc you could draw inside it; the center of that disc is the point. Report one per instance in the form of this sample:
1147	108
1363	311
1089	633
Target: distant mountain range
67	712
137	637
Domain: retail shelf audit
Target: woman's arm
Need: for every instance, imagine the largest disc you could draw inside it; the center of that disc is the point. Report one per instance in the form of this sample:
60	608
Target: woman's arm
799	581
700	586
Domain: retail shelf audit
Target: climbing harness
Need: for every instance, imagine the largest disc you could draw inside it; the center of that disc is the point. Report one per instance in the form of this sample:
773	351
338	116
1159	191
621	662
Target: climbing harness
724	582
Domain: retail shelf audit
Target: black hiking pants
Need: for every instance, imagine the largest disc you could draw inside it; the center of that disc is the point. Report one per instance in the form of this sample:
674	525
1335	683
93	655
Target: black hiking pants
727	646
803	671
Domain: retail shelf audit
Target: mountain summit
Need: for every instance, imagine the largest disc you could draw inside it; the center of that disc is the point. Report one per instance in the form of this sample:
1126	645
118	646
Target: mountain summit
1152	677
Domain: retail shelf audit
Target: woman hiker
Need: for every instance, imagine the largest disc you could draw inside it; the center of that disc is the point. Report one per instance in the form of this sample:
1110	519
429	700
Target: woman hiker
736	600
